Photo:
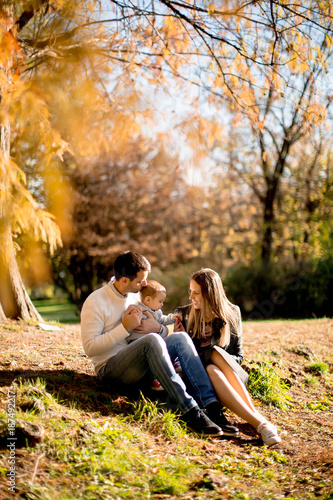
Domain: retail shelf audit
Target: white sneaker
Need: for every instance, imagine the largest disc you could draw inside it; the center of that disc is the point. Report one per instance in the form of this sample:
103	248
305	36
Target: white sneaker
268	433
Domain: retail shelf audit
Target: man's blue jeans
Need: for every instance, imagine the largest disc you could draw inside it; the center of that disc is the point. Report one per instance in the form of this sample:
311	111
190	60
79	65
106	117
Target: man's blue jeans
157	354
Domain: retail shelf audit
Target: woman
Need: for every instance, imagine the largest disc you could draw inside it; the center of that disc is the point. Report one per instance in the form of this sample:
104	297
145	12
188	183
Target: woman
216	329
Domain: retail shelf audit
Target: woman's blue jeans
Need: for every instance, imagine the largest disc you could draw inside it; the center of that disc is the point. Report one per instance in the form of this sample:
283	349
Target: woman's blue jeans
153	352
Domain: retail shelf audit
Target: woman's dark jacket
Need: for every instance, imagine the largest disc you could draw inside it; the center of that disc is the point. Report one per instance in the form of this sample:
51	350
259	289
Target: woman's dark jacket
235	348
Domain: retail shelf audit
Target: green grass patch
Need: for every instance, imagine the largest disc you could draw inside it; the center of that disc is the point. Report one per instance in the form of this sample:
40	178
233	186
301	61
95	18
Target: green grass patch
94	457
252	465
322	405
62	311
266	385
311	380
11	328
317	368
156	419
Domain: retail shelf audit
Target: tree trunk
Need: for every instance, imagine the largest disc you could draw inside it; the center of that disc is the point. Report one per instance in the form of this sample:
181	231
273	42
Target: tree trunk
14	300
272	189
267	241
3	318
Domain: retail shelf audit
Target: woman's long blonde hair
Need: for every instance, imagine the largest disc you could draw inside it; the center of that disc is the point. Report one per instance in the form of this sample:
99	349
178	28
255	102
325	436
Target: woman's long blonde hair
215	305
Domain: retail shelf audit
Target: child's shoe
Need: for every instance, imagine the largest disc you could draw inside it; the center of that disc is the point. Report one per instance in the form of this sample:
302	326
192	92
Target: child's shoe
177	366
156	386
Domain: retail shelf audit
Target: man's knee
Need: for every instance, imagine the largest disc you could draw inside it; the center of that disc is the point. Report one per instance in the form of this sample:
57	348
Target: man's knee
153	338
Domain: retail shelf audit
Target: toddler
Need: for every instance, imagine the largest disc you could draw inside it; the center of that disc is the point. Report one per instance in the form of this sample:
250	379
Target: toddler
152	298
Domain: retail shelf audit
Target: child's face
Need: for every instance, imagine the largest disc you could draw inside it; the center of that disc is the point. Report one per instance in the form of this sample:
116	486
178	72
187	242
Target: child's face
156	302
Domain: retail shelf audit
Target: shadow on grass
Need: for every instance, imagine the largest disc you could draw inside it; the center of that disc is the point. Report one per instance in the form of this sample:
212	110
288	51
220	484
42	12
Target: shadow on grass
85	392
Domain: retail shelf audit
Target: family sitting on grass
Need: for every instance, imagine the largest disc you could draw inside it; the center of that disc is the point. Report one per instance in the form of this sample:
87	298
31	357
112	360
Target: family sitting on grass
124	333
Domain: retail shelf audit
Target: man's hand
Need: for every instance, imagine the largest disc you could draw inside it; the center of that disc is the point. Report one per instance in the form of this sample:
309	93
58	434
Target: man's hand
132	318
148	325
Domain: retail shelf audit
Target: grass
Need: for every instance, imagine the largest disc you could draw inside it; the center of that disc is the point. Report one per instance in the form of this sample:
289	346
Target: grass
99	445
266	384
62	311
154	417
285	320
103	457
318	368
91	456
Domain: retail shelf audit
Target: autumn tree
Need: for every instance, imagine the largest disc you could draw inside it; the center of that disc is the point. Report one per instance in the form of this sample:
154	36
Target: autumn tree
267	63
52	103
305	202
134	198
53	53
289	108
17	210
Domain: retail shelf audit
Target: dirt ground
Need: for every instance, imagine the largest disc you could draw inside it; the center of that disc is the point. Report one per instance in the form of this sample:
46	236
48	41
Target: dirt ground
306	428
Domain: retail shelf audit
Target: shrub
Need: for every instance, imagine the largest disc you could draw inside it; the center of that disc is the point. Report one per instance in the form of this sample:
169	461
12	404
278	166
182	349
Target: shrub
292	290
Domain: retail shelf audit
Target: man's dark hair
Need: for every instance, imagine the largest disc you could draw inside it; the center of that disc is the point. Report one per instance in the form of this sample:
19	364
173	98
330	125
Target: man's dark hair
128	264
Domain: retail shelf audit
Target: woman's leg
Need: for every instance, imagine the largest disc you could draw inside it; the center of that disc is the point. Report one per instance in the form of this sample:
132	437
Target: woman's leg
231	391
232	378
230	398
233	394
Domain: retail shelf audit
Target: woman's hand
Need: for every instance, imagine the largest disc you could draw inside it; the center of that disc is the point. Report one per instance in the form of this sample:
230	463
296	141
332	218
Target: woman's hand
178	327
148	325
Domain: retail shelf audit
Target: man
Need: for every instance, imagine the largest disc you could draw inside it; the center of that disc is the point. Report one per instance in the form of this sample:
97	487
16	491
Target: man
108	315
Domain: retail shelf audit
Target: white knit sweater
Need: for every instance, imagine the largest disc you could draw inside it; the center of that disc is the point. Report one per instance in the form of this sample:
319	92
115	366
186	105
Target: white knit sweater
102	332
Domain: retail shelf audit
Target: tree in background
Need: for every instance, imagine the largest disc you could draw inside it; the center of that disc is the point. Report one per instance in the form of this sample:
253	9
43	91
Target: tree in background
17	209
306	201
57	57
263	146
52	102
135	199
